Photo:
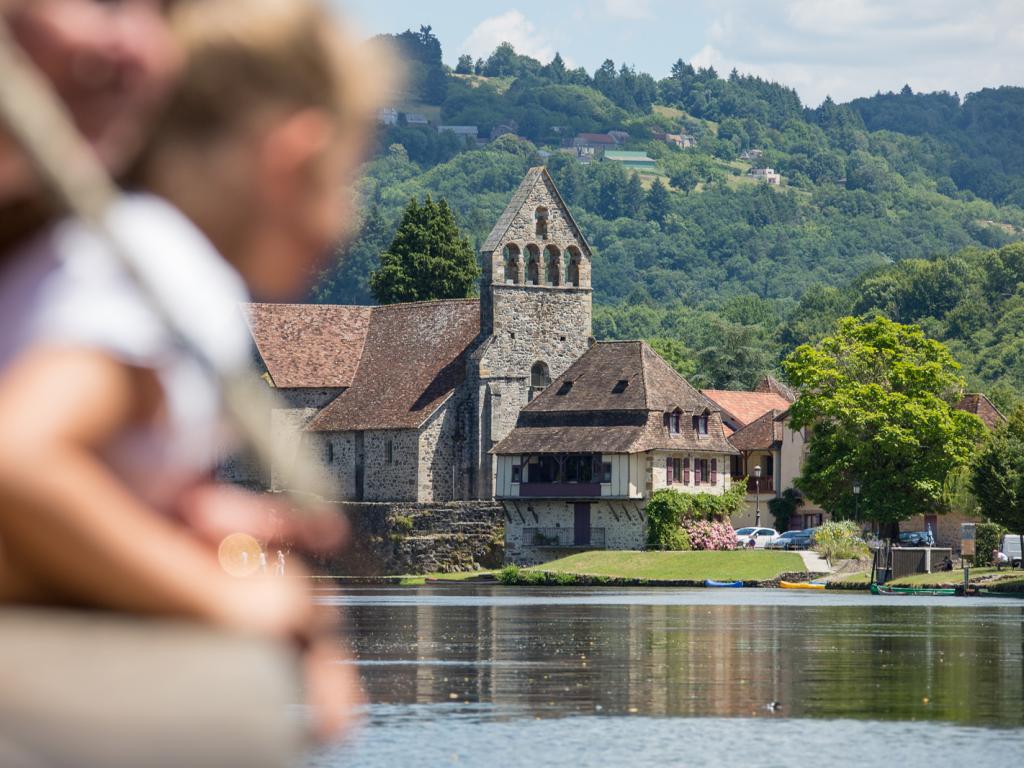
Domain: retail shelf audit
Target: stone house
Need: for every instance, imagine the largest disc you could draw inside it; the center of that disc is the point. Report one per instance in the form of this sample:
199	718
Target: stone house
758	426
946	528
768	175
587	453
404	402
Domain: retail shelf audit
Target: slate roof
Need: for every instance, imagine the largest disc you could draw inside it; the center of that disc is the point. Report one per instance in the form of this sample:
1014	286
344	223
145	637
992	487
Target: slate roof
536	175
760	434
413	359
309	345
982	407
612	401
745	407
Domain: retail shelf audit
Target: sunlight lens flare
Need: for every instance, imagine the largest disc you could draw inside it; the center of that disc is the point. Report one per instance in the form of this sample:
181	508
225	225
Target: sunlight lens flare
239	554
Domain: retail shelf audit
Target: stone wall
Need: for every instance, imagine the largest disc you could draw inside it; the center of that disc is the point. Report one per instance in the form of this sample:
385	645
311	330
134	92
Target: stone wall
659	473
399	538
442	473
623	522
391	474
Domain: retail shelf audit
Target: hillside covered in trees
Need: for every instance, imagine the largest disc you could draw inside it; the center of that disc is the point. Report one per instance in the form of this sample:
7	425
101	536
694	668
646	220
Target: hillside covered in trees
904	204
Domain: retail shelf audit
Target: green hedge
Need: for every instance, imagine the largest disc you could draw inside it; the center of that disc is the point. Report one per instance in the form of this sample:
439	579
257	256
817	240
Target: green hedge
987	536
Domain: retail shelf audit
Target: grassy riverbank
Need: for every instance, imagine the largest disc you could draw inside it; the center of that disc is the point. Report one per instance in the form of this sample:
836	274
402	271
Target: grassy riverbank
654	567
1012	581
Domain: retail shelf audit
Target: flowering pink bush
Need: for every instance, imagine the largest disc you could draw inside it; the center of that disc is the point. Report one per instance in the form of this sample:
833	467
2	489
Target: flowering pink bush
708	535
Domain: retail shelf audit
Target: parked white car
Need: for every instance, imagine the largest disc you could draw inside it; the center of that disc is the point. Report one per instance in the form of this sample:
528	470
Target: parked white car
1011	547
760	536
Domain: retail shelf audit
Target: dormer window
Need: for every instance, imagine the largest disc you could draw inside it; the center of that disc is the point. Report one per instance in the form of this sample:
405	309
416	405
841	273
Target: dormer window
565	388
674	420
620	386
700	424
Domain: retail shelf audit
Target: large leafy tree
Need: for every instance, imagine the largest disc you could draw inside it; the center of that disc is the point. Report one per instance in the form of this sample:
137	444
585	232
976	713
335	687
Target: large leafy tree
878	398
997	477
428	259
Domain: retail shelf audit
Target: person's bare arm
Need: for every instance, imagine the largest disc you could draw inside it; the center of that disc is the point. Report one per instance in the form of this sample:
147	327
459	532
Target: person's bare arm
78	533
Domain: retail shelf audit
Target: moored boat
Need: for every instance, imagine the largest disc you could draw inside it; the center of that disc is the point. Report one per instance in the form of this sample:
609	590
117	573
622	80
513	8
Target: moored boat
802	584
883	589
713	583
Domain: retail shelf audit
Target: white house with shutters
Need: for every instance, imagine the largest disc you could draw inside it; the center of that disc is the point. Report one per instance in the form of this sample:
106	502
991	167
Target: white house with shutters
589	450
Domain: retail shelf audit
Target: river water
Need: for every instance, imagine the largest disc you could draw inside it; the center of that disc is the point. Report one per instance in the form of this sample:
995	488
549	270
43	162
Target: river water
495	676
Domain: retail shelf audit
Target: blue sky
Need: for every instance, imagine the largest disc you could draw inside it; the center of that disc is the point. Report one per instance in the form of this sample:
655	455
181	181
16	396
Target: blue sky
842	48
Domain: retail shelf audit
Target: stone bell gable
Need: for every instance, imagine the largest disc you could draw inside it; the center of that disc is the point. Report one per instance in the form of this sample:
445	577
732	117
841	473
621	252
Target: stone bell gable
535	310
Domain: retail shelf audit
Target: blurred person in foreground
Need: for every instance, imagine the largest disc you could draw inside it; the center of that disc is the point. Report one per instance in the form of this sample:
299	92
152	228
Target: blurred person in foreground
112	64
111	431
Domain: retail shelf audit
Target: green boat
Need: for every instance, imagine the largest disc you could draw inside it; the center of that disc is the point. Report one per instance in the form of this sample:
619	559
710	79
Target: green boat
882	589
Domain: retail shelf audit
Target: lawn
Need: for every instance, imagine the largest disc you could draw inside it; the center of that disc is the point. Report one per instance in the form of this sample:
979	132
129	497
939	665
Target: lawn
678	566
984	577
416	580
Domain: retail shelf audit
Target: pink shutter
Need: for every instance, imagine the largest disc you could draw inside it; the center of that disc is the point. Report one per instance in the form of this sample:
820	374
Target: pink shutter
714	471
686	471
668	471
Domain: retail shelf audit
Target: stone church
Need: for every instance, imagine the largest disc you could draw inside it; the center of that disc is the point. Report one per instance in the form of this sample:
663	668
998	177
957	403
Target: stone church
405	402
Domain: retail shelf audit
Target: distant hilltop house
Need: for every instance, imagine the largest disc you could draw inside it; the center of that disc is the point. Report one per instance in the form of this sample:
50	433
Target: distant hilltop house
589	146
680	140
638	161
767	175
501	129
751	154
589	450
415	118
387	116
462	131
404	402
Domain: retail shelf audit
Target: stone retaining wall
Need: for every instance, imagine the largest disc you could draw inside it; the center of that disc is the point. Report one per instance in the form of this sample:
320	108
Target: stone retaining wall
409	538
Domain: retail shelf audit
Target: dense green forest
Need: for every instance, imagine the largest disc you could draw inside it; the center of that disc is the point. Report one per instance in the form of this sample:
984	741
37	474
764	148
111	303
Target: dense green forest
901	203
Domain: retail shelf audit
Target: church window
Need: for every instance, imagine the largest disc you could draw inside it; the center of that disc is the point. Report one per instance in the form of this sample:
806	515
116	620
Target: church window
572	266
533	266
552	263
511	264
540	375
389	451
540	217
329	452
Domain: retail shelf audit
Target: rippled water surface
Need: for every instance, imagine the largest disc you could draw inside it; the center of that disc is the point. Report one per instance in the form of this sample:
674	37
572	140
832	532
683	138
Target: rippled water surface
497	676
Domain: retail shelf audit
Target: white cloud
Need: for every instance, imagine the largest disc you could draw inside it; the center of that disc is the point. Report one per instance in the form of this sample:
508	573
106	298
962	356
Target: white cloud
628	9
511	27
850	48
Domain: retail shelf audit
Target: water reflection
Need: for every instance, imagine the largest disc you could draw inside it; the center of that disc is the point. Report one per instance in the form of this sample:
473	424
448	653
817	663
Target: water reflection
548	653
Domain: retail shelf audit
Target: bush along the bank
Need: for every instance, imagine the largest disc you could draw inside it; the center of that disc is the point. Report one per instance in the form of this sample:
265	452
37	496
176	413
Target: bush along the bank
840	540
679	521
987	536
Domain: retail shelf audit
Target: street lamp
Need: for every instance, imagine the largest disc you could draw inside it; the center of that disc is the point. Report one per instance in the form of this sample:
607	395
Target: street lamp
856	500
757	496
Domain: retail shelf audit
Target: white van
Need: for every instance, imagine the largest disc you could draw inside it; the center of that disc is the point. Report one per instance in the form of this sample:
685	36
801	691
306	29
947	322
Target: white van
1011	546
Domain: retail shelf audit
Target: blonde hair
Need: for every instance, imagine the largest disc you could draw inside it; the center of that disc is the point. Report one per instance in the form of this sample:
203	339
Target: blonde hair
245	56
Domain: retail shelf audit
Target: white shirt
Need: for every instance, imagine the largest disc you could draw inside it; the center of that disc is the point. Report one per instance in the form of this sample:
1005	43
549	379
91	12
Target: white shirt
64	288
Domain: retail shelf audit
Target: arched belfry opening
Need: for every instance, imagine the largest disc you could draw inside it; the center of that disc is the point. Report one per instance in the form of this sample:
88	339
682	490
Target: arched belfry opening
553	265
512	259
572	265
533	265
540	377
540	219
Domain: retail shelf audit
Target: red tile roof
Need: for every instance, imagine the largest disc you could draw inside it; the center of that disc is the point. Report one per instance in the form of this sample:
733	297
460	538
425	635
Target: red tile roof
746	407
413	359
982	407
309	345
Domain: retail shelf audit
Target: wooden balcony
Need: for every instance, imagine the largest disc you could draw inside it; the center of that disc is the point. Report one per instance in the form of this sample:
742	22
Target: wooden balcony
766	485
560	490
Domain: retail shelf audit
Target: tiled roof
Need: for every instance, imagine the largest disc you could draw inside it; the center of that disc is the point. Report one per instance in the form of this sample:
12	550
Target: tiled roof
536	175
771	384
308	345
613	401
982	407
745	407
413	359
762	433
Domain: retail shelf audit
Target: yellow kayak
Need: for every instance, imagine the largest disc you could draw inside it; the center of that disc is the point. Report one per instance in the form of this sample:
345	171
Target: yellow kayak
800	585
